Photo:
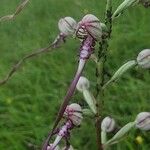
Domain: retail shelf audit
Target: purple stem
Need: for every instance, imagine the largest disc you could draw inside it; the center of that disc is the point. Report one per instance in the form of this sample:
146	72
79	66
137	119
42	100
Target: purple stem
66	99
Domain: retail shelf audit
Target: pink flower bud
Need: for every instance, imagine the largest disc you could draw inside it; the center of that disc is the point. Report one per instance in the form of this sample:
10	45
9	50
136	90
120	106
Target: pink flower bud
108	124
143	59
74	113
143	121
83	84
89	25
67	25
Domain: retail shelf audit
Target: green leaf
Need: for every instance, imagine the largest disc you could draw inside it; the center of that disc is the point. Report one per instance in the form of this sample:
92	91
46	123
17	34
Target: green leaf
123	6
121	133
89	98
121	71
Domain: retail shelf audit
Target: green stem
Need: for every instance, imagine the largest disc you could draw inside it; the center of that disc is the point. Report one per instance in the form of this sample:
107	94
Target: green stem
100	72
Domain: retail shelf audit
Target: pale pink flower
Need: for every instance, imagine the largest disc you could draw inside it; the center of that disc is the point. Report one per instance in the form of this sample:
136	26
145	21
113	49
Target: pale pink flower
89	25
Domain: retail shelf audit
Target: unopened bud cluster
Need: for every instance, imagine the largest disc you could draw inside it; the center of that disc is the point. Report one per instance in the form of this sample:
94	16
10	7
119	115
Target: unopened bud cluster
88	26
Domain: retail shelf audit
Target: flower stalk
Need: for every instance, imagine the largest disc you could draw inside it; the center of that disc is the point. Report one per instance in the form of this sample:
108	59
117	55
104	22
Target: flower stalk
60	39
19	8
100	73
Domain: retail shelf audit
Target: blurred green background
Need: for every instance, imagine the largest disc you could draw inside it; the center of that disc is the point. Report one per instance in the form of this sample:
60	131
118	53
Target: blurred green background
30	100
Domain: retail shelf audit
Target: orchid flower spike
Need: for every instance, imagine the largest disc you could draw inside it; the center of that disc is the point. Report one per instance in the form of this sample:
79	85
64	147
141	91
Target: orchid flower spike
108	124
89	25
143	59
143	121
67	26
73	112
